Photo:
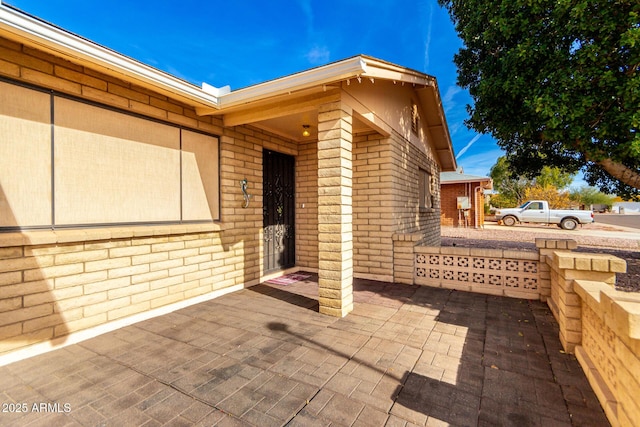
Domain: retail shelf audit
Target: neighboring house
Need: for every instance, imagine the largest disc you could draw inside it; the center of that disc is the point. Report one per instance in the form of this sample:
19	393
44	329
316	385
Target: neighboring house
122	188
462	199
626	207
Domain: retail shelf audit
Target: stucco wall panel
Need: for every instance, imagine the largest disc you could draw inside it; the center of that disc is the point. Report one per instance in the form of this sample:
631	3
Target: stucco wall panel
25	156
113	168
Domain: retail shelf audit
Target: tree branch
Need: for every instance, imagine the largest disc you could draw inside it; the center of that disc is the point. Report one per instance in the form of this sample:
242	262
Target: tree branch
621	172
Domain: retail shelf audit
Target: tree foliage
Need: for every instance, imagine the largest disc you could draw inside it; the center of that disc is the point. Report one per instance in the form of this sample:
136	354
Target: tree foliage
557	199
556	83
588	196
512	188
554	177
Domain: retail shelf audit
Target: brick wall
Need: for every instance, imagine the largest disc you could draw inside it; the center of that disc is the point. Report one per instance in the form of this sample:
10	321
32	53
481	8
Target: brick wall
407	217
307	206
372	205
449	210
53	289
385	199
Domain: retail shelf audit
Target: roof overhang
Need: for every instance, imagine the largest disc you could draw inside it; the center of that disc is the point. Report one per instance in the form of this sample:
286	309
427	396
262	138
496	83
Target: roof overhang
482	181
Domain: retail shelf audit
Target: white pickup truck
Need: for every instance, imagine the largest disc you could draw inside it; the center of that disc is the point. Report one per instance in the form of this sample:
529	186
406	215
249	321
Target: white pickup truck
538	211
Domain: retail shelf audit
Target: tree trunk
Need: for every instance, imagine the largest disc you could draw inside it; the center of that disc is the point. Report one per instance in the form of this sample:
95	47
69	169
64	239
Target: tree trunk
621	172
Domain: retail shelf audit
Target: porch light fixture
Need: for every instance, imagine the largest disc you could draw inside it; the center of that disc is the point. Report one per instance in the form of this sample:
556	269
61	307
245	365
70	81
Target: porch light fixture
305	130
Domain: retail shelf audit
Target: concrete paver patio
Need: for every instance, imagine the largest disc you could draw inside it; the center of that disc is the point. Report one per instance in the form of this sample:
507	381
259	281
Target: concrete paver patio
264	356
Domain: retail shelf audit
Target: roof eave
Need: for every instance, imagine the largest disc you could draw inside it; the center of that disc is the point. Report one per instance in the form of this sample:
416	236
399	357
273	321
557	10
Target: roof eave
324	75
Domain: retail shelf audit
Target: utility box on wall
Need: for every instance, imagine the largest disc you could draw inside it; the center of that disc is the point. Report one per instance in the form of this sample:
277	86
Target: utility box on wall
463	203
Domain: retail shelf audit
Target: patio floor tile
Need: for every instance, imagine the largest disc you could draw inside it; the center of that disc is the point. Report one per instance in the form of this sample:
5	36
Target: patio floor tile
406	356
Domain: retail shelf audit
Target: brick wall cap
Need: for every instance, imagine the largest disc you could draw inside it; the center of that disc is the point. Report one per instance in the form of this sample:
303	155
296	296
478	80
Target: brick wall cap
47	237
543	243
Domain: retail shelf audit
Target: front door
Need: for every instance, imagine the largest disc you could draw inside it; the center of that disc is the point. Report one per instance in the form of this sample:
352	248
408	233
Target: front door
278	211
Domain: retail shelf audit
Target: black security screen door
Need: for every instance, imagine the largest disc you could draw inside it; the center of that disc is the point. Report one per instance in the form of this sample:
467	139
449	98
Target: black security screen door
279	210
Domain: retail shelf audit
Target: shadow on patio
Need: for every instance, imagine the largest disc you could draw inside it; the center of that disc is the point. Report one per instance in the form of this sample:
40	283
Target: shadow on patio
406	355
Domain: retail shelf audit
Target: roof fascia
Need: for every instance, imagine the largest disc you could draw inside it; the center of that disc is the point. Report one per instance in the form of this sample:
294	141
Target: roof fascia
461	181
385	70
356	67
327	74
57	40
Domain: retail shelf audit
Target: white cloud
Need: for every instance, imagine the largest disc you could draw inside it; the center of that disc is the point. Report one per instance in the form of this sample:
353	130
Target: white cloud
318	55
451	92
469	144
307	10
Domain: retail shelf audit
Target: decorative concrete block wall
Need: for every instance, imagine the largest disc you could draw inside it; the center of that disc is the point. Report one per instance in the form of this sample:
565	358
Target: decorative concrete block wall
609	351
488	271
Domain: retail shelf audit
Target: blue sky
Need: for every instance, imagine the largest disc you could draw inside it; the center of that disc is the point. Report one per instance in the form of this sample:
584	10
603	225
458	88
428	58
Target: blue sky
241	42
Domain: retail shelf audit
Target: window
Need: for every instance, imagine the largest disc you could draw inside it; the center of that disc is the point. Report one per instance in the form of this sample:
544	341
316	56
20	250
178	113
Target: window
425	189
99	166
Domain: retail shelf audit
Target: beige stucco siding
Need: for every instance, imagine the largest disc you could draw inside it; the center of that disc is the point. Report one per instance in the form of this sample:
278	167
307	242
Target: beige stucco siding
25	155
391	104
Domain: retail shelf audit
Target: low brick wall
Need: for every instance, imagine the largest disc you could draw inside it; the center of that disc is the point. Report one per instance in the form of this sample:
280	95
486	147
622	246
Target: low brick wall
67	281
601	326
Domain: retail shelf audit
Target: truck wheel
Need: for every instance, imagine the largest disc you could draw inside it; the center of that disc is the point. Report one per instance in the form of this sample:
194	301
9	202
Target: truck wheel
509	221
569	224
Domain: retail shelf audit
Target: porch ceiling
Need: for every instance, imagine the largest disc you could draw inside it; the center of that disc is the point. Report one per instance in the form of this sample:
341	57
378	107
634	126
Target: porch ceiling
285	115
291	126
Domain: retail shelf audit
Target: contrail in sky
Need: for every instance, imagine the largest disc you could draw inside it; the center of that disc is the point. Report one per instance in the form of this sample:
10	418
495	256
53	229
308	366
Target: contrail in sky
466	147
427	42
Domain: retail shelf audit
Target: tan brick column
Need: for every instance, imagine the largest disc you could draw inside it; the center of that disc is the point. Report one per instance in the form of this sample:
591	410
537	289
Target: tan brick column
546	247
404	257
335	235
565	303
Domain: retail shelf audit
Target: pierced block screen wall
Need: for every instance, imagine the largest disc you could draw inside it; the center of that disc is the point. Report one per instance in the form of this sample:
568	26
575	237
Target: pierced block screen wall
25	156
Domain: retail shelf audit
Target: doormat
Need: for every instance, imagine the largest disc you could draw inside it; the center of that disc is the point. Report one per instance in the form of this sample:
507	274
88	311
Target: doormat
288	279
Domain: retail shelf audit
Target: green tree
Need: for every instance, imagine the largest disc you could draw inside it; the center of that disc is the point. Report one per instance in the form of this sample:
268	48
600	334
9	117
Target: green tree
556	83
554	177
512	188
588	196
557	199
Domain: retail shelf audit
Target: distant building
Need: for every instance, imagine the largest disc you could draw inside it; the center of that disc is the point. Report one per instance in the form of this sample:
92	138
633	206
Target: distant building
626	207
462	199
